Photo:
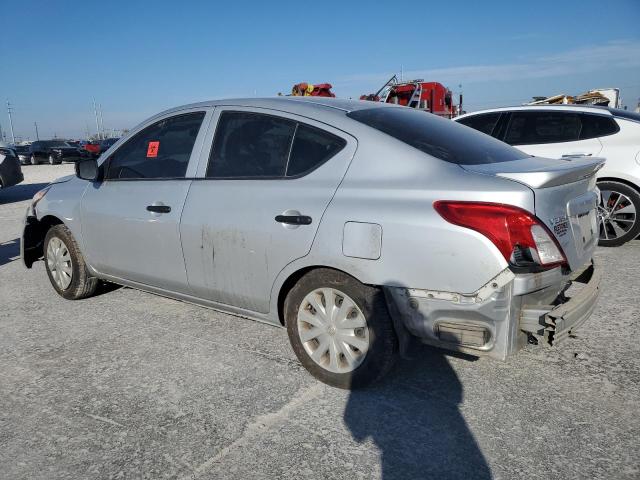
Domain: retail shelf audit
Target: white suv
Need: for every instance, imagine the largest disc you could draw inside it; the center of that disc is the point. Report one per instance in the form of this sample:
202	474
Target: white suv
569	131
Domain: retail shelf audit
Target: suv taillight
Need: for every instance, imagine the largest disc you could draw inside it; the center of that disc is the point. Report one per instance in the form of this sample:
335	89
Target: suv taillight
522	239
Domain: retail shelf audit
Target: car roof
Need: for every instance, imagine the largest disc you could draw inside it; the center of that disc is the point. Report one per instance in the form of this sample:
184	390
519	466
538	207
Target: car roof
574	108
315	107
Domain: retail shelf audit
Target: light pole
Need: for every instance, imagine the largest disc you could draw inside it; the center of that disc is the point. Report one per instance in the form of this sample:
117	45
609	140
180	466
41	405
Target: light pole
95	112
13	137
101	121
37	136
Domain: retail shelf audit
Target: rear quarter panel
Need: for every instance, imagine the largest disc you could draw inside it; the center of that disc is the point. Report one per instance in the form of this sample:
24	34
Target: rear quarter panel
622	152
394	186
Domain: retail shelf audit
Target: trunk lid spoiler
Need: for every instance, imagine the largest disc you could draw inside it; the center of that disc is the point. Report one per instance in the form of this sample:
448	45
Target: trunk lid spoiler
537	172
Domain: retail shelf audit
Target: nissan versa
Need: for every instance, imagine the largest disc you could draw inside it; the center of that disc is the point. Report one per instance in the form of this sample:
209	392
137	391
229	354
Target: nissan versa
354	224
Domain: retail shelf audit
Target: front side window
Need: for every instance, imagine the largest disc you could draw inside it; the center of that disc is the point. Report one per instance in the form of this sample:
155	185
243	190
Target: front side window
161	150
485	122
531	128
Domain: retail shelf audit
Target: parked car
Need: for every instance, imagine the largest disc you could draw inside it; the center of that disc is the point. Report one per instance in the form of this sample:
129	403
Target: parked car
23	153
567	131
54	152
10	171
354	224
93	148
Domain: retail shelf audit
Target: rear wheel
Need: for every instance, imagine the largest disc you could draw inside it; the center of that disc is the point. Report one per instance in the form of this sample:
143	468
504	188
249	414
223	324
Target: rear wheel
618	213
52	161
340	329
65	265
34	160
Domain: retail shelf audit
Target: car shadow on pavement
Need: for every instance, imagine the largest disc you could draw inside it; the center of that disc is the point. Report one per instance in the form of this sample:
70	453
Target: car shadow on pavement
9	251
414	420
20	192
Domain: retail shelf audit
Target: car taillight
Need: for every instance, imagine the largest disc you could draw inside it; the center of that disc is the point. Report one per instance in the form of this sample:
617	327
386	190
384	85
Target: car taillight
521	238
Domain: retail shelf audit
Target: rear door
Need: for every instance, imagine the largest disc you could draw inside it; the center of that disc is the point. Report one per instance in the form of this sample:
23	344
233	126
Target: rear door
258	201
551	134
130	221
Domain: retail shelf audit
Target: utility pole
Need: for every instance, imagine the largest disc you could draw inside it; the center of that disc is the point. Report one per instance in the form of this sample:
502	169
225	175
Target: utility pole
95	112
101	121
9	109
37	136
1	133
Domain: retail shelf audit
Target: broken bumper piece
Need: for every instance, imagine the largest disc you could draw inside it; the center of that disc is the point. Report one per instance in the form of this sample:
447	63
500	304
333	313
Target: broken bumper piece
556	322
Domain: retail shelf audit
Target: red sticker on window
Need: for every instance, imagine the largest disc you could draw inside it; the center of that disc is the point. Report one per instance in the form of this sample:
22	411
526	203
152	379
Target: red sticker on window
152	149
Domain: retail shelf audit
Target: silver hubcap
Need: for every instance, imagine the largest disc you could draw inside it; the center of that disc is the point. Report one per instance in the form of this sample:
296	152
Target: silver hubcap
59	263
617	215
333	330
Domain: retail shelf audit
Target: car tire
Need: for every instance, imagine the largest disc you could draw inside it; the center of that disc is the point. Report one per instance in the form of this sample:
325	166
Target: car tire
66	267
52	161
342	364
618	213
34	160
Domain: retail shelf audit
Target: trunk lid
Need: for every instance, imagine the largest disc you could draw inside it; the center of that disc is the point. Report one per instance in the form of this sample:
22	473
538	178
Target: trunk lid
565	196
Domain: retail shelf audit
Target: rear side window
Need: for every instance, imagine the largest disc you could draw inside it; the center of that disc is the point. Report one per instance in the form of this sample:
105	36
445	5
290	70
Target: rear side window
531	128
249	145
597	126
440	138
161	150
254	145
485	122
311	148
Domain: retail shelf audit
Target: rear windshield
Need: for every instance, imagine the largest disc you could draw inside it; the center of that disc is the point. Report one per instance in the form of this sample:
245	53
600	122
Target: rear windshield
438	137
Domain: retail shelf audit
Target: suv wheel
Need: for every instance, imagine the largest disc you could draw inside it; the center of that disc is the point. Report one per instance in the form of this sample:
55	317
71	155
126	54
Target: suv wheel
34	160
340	329
618	213
52	161
65	265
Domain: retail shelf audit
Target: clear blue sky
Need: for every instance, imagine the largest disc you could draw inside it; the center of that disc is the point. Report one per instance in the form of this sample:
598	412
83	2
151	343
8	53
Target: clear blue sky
138	58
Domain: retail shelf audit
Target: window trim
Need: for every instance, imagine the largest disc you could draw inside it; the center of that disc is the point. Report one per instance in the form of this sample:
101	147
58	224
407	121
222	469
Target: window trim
280	117
104	165
512	114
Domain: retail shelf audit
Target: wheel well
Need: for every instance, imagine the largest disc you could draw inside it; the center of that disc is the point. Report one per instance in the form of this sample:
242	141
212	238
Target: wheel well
292	280
619	180
34	234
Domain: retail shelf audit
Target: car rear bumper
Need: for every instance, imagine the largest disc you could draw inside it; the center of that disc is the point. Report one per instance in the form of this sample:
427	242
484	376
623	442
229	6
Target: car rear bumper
504	315
556	322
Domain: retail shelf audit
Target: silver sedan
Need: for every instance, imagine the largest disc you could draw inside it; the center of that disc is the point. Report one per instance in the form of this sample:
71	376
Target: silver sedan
357	226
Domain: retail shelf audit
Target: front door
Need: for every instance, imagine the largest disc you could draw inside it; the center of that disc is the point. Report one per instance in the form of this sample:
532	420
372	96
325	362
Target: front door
262	193
130	220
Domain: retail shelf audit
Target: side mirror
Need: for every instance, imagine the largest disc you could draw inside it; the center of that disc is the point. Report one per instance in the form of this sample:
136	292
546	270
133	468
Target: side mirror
88	170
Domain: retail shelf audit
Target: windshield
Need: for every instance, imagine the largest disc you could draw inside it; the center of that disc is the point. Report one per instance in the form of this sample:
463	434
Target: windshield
438	137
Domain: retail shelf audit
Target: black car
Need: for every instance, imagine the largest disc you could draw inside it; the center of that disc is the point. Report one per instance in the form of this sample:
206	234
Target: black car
54	152
22	151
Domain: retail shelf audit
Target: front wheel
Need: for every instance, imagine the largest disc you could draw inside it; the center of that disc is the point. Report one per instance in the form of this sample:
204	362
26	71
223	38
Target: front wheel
34	160
618	213
52	161
340	329
65	265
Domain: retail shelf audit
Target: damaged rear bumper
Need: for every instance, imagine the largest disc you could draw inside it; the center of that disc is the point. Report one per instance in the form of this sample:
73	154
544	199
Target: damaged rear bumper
556	322
502	316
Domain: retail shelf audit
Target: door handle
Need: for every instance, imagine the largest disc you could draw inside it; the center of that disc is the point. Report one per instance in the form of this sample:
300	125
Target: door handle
159	208
294	219
569	155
